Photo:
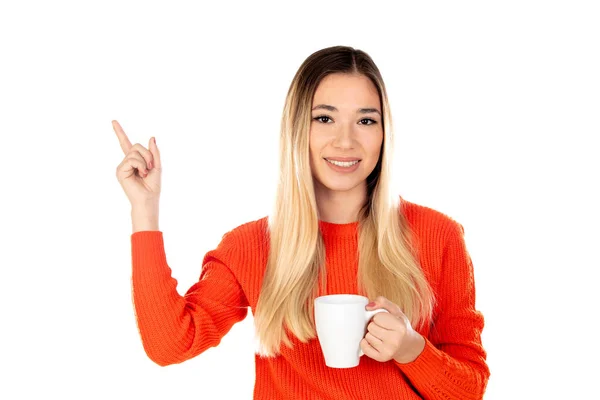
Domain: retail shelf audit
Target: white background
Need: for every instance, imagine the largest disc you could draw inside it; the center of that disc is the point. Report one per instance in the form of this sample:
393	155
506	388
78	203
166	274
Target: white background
496	112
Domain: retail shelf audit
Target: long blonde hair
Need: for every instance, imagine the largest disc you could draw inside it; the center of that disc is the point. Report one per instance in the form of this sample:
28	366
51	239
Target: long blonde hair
388	260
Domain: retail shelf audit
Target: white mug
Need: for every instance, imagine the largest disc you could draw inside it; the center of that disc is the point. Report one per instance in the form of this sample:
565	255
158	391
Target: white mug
341	321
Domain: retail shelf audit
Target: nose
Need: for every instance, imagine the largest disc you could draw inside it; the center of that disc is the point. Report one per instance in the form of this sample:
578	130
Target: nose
344	137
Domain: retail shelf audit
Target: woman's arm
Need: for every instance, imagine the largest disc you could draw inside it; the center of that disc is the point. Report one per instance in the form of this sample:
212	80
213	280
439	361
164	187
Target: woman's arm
453	363
175	328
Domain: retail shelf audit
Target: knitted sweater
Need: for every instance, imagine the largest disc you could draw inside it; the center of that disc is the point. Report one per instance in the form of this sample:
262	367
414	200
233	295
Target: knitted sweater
175	328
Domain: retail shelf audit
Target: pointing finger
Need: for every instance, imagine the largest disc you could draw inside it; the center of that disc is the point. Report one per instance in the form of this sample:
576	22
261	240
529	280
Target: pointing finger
123	140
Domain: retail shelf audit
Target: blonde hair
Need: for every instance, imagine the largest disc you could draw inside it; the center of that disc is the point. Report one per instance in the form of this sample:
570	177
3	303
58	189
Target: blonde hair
388	260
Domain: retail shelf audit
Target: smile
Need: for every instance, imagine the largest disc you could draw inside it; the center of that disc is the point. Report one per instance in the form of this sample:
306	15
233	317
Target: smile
344	164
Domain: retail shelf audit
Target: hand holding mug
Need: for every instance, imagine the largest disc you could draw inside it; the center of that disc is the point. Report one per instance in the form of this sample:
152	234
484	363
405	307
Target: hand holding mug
390	335
341	321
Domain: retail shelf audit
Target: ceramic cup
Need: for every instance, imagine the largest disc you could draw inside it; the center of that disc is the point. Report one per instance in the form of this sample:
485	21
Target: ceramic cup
341	321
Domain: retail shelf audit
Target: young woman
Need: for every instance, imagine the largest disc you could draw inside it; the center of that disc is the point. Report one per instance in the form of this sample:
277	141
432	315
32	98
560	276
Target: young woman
337	227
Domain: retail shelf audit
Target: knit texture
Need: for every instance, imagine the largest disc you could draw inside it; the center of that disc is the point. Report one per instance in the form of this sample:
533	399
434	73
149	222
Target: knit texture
175	328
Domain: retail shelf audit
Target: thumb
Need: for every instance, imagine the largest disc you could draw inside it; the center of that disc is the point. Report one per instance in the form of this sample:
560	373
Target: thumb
382	302
379	302
372	305
155	153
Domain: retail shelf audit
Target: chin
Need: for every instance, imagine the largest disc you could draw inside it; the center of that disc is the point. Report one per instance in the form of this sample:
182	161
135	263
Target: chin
340	186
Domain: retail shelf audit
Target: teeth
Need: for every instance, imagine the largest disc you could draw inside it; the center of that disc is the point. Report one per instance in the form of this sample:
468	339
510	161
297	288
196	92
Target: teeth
343	163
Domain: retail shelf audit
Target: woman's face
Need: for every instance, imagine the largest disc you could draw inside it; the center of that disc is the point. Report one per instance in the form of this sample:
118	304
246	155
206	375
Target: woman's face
346	129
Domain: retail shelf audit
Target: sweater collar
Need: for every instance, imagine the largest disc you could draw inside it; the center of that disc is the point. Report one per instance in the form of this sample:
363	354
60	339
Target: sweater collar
332	229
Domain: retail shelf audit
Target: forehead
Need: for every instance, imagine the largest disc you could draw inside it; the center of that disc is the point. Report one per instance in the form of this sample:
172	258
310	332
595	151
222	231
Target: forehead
346	90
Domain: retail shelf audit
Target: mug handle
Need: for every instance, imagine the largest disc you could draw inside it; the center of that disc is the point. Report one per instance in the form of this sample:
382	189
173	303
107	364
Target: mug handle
370	315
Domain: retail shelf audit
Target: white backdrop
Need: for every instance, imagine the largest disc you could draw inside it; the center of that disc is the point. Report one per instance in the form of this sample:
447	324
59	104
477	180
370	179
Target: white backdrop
495	108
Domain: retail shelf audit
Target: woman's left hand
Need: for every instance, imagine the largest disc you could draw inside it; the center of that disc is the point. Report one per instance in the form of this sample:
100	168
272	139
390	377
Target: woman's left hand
390	336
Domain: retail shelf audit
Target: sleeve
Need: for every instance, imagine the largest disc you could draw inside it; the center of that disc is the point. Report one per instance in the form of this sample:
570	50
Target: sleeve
453	363
175	328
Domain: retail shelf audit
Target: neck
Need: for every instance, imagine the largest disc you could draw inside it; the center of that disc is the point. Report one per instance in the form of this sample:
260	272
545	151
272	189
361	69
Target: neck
340	207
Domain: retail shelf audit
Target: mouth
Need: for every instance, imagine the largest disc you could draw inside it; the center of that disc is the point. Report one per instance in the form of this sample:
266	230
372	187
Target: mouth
344	162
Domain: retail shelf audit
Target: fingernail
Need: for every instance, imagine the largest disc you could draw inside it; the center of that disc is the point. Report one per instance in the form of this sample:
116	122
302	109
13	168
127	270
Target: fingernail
371	304
154	140
150	165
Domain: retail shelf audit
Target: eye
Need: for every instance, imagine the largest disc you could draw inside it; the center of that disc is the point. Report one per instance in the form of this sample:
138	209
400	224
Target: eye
320	118
369	119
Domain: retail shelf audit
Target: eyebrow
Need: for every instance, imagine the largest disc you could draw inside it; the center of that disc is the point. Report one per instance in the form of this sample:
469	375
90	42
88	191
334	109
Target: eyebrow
360	110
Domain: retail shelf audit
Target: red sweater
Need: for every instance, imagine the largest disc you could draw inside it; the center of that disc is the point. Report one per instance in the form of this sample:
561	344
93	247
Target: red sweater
175	328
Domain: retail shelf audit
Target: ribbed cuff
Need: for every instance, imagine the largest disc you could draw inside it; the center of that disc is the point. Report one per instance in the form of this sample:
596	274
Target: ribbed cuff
148	255
426	366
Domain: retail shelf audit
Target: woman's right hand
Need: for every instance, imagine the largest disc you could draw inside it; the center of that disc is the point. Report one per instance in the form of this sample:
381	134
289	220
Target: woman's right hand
140	171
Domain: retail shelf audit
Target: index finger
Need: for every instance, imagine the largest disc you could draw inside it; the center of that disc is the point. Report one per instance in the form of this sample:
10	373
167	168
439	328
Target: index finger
123	139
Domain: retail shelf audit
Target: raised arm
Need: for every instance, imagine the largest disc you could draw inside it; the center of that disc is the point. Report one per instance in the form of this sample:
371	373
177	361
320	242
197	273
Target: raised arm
453	362
175	328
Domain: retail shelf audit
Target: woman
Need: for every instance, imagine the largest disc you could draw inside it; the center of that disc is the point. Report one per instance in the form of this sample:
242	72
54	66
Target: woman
334	202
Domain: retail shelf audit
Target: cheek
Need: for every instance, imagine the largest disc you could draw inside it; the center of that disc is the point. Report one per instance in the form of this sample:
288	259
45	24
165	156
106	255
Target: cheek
315	145
374	145
312	151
